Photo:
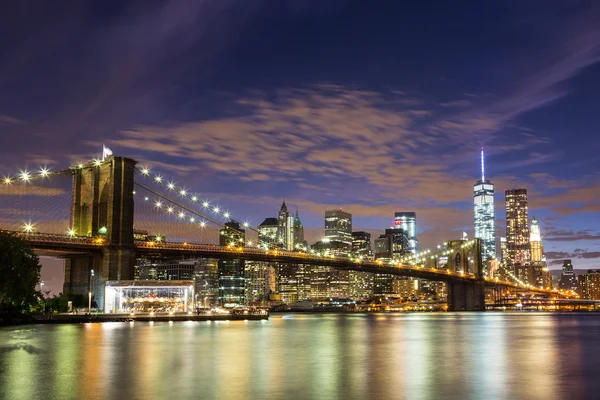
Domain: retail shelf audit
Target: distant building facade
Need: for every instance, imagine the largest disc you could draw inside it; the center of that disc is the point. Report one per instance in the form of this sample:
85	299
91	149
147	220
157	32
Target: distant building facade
407	221
338	227
568	280
589	285
517	227
231	272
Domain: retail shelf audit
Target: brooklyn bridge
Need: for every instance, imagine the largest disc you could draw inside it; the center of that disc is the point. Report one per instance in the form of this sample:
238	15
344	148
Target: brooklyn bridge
92	215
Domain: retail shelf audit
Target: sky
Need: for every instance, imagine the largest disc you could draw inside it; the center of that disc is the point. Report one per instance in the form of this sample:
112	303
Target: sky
325	104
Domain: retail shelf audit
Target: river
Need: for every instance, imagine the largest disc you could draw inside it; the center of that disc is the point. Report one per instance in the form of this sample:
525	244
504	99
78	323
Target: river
309	356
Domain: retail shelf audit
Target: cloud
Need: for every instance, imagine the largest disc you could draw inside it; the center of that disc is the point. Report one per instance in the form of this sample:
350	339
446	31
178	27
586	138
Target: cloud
8	120
457	103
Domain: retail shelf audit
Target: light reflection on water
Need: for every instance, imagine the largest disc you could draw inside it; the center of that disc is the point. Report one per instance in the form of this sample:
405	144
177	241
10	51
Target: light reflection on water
308	356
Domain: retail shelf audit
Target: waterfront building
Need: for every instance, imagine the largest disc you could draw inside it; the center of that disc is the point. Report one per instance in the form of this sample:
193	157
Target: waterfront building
533	274
338	227
568	280
361	285
207	282
517	227
406	287
294	282
255	282
231	272
589	285
483	209
361	245
407	221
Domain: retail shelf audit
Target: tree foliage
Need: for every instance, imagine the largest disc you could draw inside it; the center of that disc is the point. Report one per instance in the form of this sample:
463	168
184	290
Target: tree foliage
19	273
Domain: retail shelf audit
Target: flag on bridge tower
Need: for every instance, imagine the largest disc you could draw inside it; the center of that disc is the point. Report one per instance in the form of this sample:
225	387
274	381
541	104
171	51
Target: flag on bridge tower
106	152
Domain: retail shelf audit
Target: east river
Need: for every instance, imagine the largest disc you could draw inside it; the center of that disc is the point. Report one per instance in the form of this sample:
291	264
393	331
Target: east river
309	356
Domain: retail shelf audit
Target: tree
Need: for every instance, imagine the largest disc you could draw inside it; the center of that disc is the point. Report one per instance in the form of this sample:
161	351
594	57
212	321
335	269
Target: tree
19	274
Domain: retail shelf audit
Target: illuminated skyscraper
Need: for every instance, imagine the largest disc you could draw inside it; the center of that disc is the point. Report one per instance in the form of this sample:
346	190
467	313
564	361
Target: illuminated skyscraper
361	244
298	232
568	280
535	239
231	272
285	230
338	227
517	227
483	199
407	221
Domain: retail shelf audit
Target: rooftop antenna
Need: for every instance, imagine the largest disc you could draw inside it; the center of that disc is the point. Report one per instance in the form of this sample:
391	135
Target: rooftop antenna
482	166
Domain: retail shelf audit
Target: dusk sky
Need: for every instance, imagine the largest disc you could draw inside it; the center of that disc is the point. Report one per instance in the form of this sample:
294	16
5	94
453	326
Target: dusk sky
327	104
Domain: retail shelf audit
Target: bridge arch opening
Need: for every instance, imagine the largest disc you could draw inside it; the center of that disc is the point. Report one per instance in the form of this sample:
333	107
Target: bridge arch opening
457	262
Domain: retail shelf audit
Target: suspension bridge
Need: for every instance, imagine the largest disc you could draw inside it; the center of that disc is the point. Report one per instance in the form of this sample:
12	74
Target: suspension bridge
102	214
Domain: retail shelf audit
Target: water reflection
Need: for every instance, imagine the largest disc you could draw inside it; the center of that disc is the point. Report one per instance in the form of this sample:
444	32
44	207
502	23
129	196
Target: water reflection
304	356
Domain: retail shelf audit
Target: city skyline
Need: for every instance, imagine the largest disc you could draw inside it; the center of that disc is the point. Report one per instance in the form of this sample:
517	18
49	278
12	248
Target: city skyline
370	137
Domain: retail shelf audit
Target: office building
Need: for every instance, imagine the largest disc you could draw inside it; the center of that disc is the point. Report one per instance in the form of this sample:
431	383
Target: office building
517	227
298	233
483	208
535	242
361	285
338	227
589	285
294	282
267	233
393	244
407	221
231	272
207	282
568	280
361	245
285	228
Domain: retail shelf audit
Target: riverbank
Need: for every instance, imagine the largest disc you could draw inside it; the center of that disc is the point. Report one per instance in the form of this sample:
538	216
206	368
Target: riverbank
95	318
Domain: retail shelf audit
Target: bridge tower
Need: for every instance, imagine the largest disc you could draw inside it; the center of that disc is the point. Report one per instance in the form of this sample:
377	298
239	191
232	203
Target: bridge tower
102	207
465	257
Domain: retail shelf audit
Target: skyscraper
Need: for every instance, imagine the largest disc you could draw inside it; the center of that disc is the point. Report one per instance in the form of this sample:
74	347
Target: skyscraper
231	272
407	221
298	232
568	281
483	207
338	227
361	244
517	227
535	239
285	230
267	232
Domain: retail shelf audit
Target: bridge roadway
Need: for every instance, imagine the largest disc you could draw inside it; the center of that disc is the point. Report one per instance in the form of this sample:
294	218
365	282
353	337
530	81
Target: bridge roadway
70	245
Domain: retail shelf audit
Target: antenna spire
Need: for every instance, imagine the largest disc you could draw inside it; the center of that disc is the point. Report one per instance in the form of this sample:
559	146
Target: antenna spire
482	166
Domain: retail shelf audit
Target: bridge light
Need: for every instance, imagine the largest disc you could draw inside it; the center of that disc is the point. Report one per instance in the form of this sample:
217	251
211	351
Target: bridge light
181	214
205	204
183	192
71	232
192	219
158	178
7	180
249	242
158	239
145	171
194	198
44	172
146	198
25	176
170	210
97	162
158	204
246	224
216	209
202	224
80	166
171	185
28	227
226	215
